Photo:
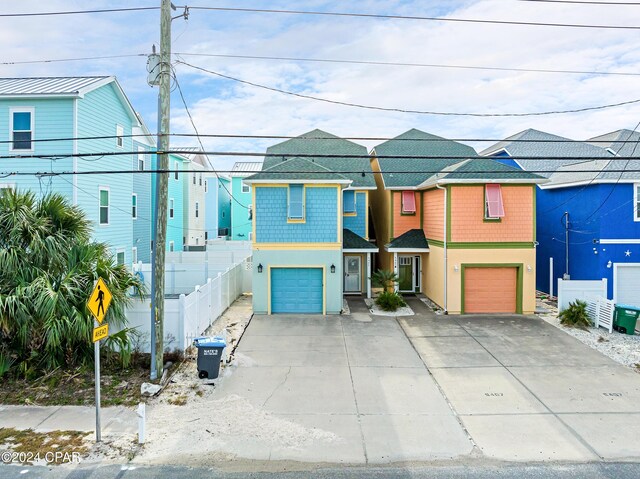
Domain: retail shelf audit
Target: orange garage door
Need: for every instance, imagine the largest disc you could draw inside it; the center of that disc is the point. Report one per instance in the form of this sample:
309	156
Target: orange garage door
490	290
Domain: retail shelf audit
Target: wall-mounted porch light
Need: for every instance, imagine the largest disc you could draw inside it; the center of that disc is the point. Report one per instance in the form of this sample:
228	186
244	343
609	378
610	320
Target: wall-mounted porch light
260	268
333	268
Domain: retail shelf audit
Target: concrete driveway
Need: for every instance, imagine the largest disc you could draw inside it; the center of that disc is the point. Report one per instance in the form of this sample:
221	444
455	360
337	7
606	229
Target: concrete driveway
526	391
368	389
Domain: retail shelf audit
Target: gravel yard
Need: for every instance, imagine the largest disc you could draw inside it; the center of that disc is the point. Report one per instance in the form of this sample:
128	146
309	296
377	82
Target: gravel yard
622	348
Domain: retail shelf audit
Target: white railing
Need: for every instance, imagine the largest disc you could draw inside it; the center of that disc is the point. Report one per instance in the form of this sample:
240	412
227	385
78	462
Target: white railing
571	290
601	312
189	315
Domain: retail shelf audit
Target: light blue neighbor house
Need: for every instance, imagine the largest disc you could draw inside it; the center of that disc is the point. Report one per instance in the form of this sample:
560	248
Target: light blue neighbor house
62	110
242	204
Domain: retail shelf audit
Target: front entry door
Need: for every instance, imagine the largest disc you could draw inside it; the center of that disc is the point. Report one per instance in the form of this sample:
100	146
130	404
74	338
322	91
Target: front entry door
352	271
409	274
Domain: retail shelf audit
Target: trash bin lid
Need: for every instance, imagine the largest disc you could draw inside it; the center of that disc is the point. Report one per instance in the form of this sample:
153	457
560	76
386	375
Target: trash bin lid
628	306
209	342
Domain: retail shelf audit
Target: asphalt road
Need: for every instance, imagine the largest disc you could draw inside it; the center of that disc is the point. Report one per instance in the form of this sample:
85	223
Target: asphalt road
497	471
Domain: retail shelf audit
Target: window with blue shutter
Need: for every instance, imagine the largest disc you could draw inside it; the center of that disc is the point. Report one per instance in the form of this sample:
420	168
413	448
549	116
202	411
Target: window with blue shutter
296	202
349	201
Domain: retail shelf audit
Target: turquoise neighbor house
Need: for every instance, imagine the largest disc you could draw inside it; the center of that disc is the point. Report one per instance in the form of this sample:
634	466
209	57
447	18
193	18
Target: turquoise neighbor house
242	204
310	225
68	108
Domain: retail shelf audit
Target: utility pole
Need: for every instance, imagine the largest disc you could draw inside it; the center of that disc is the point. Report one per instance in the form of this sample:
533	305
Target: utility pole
162	186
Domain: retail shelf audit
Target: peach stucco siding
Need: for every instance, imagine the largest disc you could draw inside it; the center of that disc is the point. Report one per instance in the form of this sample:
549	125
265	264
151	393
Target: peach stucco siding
467	215
434	214
403	223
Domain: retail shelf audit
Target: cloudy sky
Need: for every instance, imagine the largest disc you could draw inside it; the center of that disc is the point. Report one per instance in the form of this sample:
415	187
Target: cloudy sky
222	106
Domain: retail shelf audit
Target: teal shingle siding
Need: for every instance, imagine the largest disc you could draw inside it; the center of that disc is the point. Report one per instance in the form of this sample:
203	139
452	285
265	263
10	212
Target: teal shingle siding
224	204
357	223
142	188
240	222
98	114
320	224
53	119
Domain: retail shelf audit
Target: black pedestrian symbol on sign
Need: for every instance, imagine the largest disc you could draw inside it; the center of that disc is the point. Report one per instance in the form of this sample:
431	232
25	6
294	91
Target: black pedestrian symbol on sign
100	300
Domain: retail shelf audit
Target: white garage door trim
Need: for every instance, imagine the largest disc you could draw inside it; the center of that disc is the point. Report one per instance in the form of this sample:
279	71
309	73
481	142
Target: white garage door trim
616	274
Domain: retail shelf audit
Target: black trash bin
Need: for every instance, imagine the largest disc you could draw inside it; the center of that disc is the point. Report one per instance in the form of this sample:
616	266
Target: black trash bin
209	355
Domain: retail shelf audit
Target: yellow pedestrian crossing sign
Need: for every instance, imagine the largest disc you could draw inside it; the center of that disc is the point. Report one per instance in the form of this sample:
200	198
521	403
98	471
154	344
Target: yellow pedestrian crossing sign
100	300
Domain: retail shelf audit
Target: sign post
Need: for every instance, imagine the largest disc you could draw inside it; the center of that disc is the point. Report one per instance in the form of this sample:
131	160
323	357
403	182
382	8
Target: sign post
98	304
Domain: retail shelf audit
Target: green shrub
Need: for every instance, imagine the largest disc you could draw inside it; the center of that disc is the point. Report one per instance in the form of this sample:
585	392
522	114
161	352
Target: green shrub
390	301
576	315
385	279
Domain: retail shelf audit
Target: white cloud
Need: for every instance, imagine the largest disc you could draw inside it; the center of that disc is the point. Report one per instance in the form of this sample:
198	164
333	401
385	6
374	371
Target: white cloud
221	106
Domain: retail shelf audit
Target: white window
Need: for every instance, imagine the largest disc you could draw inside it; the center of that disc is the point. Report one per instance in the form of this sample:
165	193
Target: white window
197	209
134	206
119	136
7	186
171	245
134	255
141	158
177	168
246	188
636	202
103	193
120	257
21	125
171	202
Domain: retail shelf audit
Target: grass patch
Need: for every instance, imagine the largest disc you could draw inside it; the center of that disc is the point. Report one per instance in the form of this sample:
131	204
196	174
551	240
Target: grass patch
178	401
52	447
76	387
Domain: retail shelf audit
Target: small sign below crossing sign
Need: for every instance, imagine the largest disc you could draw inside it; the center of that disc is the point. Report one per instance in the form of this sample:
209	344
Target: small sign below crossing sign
100	332
99	300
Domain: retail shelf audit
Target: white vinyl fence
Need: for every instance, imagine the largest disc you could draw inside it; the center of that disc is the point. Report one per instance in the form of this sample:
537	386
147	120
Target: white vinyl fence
571	290
189	315
601	312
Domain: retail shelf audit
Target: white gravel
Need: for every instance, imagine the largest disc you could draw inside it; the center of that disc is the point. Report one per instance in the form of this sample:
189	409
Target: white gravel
375	309
622	348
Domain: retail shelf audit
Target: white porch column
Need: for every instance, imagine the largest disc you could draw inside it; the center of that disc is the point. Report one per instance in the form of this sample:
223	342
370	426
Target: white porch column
369	275
395	270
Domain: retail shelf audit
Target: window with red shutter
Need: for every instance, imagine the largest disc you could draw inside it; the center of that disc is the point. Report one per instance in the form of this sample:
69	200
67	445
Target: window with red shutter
494	208
408	202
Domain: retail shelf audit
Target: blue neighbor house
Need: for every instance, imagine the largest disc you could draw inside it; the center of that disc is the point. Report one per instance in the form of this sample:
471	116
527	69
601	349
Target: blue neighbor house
588	222
64	109
242	204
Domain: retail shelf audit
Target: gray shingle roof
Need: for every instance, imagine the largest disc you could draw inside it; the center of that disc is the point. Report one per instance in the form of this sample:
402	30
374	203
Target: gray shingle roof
295	168
46	85
625	143
412	239
411	172
351	240
487	169
552	150
318	142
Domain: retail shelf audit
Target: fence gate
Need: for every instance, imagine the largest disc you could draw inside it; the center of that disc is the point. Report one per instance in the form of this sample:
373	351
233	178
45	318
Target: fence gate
601	312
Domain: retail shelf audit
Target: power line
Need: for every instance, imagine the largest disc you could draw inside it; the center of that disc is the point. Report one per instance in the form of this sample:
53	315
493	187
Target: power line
405	64
78	12
401	110
331	60
582	2
406	17
311	155
57	60
328	138
193	124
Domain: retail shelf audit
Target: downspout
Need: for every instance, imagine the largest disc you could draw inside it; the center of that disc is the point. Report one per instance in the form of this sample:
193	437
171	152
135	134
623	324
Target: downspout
446	311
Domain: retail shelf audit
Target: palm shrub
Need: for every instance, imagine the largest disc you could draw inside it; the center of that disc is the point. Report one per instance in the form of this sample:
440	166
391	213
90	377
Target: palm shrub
390	300
576	315
385	279
49	266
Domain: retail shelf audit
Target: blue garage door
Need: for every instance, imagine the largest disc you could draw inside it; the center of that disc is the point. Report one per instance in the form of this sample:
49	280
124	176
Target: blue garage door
296	290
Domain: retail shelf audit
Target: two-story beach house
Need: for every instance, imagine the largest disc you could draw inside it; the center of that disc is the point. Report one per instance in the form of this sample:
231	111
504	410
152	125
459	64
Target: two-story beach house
242	203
